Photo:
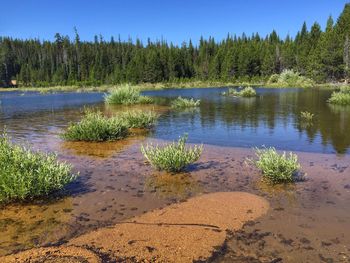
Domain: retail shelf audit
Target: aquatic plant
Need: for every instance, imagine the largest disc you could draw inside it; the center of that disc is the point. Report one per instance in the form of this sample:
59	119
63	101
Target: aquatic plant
339	98
306	116
96	127
173	157
276	168
246	92
26	174
290	78
181	103
139	119
127	95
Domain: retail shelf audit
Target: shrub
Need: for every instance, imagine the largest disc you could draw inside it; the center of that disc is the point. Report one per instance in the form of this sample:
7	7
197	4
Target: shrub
290	78
139	119
274	78
25	174
345	89
181	103
126	95
95	127
307	116
246	92
276	168
173	157
340	98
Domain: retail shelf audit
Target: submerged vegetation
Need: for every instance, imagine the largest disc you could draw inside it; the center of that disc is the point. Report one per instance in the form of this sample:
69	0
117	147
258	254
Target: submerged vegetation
245	92
276	168
25	174
139	119
127	95
181	103
290	78
173	157
96	127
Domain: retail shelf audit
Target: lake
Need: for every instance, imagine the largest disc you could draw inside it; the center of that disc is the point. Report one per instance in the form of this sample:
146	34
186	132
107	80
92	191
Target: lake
271	119
116	184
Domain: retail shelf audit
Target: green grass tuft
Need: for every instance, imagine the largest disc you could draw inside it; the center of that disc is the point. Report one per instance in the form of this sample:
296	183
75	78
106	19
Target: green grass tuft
340	98
25	174
276	168
307	116
96	127
139	119
173	157
182	103
246	92
127	95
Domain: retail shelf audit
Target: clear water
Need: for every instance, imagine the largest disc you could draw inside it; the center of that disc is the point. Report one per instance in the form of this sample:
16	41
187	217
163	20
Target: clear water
270	119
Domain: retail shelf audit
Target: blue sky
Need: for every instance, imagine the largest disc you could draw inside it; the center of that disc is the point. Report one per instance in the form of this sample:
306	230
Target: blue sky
174	21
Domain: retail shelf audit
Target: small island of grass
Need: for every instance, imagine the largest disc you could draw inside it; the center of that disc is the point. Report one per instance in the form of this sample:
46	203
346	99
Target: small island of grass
173	157
95	127
183	103
127	95
276	168
247	92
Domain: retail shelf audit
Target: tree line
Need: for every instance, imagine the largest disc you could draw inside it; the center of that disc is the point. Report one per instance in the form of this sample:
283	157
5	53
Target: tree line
323	55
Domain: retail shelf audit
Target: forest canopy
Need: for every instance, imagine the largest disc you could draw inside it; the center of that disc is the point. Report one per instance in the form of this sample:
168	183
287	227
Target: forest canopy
322	55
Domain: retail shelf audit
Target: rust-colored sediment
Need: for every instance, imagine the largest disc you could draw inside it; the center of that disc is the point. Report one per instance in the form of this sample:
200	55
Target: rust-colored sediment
183	232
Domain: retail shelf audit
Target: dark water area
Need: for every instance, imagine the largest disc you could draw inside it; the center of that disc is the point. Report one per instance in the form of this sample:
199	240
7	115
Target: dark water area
307	222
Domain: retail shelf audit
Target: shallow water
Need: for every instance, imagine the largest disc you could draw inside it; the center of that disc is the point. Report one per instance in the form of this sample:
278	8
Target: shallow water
308	221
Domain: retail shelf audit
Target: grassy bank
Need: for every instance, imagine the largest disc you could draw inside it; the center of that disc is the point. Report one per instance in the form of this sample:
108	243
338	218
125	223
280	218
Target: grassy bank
179	85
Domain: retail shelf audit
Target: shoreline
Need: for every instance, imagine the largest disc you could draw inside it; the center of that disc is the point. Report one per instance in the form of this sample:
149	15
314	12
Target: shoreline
165	85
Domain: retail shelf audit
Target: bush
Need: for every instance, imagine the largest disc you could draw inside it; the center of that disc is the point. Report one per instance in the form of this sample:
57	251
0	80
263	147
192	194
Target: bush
339	98
290	78
276	168
25	174
306	116
139	119
127	95
181	103
345	89
95	127
246	92
173	157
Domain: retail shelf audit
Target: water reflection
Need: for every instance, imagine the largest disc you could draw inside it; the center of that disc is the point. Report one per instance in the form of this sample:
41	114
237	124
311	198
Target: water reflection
272	118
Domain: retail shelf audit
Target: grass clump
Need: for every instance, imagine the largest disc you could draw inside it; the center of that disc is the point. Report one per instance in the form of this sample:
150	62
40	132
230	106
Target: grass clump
173	157
96	127
25	174
276	168
290	78
127	95
345	89
246	92
307	116
139	119
340	98
181	103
